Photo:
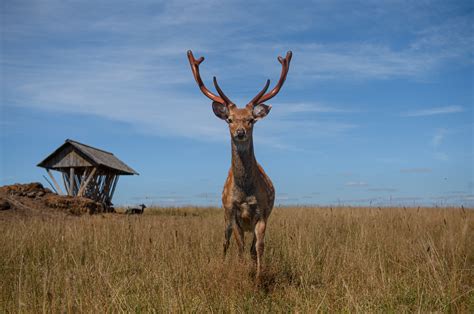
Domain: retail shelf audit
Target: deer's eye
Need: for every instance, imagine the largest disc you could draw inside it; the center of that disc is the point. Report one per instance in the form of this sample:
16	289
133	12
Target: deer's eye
229	120
252	121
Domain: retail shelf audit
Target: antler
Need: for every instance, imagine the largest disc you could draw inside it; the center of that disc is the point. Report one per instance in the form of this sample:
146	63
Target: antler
223	99
256	98
285	66
221	93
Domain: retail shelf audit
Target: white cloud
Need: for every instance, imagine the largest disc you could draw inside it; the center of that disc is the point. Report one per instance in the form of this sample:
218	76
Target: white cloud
360	61
129	64
416	170
307	107
382	190
441	156
356	184
439	137
437	140
434	111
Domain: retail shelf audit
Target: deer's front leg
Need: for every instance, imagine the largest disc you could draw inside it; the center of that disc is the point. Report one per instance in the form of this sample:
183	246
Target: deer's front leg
239	238
260	235
253	250
227	235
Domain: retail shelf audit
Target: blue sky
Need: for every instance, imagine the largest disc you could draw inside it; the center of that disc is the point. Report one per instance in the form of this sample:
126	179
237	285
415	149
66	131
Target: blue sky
377	107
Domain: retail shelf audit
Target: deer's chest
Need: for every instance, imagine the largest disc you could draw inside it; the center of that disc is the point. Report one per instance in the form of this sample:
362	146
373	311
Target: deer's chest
247	209
245	201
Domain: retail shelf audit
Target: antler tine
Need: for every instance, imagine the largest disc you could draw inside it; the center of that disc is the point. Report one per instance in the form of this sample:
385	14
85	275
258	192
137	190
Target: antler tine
195	68
221	93
285	66
255	100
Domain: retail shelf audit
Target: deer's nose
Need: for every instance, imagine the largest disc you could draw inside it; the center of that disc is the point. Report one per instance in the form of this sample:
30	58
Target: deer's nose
240	133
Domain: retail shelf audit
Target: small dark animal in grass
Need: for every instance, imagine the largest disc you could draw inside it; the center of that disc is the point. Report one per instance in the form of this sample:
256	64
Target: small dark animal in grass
136	211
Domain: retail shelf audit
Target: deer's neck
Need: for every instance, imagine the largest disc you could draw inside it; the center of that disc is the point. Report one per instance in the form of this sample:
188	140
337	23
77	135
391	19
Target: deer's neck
244	165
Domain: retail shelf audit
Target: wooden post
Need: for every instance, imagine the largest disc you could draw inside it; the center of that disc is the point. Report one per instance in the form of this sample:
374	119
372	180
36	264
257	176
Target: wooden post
66	181
86	182
92	186
107	187
71	181
113	187
103	187
96	191
77	179
82	179
97	186
58	188
50	184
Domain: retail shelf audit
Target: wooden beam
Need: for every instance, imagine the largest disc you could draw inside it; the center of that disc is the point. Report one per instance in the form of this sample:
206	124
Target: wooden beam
66	181
102	186
96	191
86	182
107	186
50	184
81	179
77	179
58	188
71	181
113	187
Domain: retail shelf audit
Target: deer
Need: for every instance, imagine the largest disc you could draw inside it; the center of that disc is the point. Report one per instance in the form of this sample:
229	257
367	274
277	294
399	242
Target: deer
248	195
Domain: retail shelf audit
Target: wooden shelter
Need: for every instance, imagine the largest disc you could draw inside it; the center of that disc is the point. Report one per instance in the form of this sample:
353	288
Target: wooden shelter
86	171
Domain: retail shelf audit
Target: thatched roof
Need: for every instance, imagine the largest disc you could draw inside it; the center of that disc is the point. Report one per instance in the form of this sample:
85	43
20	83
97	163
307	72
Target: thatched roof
75	154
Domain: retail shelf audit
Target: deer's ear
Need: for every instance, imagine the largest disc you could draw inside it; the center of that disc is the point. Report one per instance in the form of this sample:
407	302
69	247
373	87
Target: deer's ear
260	111
220	110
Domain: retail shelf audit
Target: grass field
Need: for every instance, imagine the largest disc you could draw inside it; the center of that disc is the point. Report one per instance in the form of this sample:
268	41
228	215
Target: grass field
327	259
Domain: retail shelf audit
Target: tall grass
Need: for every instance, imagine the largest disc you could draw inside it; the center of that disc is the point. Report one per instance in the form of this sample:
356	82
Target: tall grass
327	259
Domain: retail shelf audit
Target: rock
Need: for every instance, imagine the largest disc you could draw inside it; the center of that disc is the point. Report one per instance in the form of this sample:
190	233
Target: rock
4	205
40	194
31	194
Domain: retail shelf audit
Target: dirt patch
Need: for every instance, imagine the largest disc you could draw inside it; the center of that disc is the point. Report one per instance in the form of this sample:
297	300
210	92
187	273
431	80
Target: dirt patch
33	198
31	190
74	205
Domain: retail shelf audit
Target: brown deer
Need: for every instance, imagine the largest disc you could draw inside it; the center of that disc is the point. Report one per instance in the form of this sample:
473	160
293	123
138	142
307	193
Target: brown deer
248	194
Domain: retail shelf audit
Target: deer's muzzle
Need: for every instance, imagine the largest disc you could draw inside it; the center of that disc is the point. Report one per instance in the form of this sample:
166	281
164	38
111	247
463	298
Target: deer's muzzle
240	134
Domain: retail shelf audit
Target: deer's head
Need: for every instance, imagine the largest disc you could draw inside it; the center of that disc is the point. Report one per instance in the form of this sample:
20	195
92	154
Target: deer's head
240	120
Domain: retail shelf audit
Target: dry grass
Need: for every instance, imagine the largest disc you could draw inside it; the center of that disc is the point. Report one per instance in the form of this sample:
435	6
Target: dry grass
340	259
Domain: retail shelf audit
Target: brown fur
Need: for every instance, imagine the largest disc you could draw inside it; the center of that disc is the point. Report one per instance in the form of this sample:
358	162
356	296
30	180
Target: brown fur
248	194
